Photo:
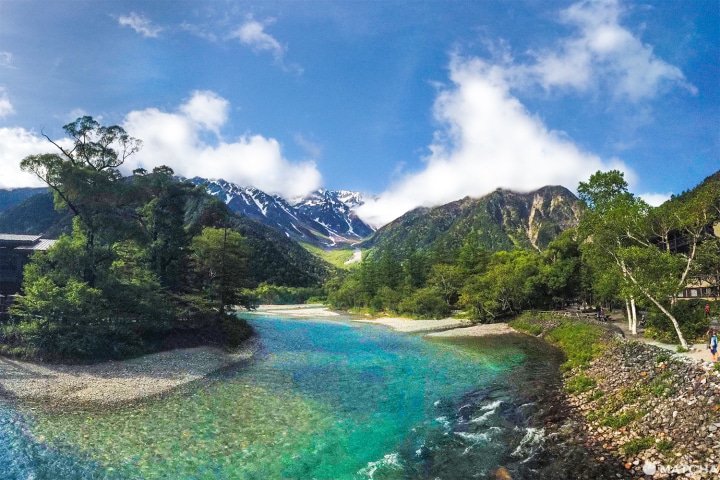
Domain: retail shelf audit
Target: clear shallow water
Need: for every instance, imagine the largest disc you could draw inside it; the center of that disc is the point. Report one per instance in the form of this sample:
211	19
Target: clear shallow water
324	400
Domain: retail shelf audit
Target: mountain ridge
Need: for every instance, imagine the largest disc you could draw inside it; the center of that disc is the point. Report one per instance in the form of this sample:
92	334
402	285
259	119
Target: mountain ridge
324	218
501	220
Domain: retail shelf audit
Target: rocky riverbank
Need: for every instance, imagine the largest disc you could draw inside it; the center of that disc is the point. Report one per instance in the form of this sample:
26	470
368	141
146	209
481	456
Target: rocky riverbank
658	411
653	413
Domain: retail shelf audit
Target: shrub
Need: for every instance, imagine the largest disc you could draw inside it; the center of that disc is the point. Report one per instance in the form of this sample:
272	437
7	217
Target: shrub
281	295
425	303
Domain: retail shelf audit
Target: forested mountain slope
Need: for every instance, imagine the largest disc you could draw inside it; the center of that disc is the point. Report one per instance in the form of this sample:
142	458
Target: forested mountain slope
274	257
500	220
9	197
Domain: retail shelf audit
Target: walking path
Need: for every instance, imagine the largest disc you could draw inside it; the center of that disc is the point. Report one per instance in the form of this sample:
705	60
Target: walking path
698	351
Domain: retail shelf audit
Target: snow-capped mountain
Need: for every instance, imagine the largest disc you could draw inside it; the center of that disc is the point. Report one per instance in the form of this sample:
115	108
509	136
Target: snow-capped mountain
324	217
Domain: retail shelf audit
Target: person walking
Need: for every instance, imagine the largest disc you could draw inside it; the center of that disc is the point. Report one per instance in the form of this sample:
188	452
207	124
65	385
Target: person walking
713	346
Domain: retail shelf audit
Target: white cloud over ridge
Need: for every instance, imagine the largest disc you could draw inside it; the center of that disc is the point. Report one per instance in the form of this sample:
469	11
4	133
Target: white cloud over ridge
175	139
140	23
15	144
489	140
655	199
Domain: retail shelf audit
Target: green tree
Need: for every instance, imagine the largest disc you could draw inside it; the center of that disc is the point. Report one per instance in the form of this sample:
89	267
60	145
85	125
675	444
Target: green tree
634	239
84	178
220	258
511	283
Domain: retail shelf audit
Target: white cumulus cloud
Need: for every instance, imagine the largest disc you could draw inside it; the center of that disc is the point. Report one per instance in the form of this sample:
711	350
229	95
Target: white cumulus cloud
176	139
15	144
140	23
602	53
208	109
488	140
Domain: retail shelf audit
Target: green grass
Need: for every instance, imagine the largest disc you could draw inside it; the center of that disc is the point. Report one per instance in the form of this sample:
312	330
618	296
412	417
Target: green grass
525	324
336	257
664	446
580	383
597	395
579	340
622	419
637	445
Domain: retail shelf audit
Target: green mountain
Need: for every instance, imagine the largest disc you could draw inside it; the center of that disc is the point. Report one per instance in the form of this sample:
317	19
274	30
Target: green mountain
35	215
9	197
500	220
274	259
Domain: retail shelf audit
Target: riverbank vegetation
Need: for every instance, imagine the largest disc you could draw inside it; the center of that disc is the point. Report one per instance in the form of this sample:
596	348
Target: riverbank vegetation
623	253
151	262
640	402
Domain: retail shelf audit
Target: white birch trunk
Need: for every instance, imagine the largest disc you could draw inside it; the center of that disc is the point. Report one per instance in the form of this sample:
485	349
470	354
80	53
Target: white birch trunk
629	314
633	311
664	310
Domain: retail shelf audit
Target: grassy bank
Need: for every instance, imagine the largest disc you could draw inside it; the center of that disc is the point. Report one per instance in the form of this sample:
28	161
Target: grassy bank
581	341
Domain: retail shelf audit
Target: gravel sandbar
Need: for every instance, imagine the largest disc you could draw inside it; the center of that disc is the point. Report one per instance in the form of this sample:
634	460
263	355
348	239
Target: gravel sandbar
114	382
418	326
297	311
476	331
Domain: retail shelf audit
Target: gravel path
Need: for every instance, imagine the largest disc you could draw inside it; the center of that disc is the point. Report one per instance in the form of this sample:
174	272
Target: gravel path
114	382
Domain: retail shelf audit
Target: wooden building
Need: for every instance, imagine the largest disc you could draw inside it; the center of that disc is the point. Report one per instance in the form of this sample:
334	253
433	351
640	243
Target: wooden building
15	251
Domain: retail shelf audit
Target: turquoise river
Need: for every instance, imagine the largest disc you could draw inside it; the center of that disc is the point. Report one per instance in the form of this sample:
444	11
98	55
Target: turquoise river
321	400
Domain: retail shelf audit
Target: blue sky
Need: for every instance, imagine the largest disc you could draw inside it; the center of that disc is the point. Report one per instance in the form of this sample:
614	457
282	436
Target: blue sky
419	103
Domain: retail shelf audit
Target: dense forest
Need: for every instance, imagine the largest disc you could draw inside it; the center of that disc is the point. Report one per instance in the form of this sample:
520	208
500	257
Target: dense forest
146	261
622	253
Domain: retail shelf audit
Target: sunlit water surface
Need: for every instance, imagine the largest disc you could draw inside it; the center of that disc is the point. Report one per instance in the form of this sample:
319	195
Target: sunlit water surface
323	400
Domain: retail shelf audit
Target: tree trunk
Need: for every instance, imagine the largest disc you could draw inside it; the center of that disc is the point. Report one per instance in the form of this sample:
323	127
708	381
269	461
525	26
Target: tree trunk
629	314
222	274
657	304
672	319
633	311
